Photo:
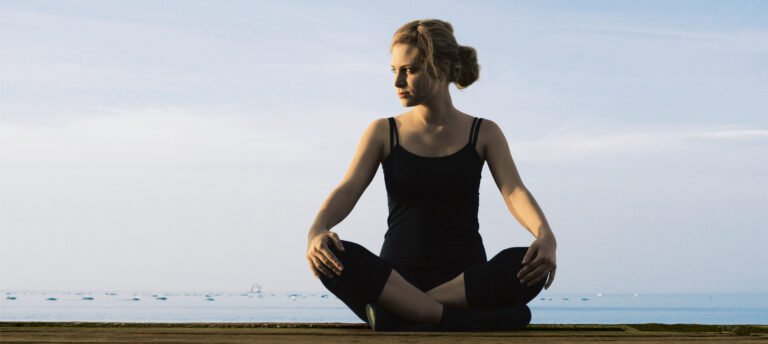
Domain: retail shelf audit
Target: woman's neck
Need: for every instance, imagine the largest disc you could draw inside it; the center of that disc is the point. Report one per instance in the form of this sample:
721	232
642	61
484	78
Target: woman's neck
435	112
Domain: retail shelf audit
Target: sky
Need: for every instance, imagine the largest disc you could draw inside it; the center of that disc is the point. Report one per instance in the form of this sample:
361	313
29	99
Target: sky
188	145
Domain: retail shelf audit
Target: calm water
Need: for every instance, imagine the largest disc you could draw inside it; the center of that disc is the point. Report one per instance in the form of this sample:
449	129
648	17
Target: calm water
266	306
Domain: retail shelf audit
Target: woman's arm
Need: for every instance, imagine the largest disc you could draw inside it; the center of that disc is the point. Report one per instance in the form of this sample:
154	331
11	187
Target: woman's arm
341	201
361	171
336	207
517	197
527	211
540	258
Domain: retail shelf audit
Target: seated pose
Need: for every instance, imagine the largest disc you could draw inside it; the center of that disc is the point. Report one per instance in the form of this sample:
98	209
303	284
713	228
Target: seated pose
432	273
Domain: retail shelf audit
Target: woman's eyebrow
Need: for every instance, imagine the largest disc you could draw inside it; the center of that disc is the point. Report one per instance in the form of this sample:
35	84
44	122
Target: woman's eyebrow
407	65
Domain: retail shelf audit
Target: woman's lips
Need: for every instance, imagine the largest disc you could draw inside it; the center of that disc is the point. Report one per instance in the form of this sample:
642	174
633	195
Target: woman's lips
402	94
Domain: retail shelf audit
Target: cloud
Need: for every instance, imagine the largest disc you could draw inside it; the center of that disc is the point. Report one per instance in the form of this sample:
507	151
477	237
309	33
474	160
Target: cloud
724	134
159	137
182	137
644	32
567	146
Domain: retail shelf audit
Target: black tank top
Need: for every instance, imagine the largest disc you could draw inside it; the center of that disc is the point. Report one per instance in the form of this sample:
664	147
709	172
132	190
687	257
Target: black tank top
433	203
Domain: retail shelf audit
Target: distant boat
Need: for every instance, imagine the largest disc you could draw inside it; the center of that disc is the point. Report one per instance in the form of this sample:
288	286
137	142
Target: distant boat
51	299
11	297
87	298
255	288
161	298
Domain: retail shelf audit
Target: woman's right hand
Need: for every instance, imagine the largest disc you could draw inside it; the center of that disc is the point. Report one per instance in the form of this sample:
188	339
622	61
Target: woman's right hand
320	256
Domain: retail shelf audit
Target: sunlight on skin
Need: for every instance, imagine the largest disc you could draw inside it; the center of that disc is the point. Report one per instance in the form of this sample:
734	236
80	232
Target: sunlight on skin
451	293
406	300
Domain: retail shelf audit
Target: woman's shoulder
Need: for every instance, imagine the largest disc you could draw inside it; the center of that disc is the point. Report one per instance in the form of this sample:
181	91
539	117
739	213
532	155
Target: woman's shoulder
487	134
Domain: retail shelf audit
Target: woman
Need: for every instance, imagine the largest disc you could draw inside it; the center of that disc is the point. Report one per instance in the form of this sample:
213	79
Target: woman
432	273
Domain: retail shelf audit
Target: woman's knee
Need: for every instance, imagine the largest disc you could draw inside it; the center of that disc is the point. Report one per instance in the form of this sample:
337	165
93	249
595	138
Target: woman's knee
356	259
533	290
513	254
496	283
351	249
363	274
345	257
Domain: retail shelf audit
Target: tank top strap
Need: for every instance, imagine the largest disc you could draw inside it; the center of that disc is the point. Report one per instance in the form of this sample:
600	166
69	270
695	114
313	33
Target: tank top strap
394	138
474	130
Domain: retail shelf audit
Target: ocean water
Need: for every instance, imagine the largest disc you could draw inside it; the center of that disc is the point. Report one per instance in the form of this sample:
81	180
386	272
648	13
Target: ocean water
274	306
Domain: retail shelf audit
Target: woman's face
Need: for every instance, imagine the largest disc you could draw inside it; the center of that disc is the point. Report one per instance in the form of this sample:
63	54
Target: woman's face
417	87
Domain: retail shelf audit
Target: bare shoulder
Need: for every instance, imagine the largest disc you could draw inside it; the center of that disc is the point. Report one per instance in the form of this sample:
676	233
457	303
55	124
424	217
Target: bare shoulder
380	130
489	135
496	152
366	158
380	126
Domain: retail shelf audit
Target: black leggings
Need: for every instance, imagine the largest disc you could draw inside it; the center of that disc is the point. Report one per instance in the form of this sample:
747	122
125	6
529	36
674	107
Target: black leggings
487	285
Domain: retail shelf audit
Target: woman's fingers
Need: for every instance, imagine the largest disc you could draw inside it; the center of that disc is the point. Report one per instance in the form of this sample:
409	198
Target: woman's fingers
551	277
322	267
312	267
529	254
535	275
318	268
528	267
331	260
337	241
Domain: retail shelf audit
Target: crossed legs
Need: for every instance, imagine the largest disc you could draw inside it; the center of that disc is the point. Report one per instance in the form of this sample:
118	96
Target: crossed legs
366	278
451	293
406	300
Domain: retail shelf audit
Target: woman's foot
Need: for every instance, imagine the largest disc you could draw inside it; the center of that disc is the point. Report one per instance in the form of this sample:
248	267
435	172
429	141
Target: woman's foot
381	319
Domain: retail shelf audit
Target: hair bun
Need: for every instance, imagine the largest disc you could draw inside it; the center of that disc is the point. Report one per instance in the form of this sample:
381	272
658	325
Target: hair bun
470	69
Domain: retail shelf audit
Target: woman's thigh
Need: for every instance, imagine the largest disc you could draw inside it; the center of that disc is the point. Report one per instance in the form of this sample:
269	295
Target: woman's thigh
362	279
495	283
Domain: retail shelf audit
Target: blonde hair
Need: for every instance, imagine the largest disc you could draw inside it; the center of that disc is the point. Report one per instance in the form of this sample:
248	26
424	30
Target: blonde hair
438	52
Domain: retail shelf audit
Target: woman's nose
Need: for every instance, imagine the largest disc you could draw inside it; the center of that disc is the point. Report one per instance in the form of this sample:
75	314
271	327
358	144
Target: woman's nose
400	81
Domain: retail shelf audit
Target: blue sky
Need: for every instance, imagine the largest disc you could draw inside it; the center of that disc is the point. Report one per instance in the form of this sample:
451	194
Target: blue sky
186	145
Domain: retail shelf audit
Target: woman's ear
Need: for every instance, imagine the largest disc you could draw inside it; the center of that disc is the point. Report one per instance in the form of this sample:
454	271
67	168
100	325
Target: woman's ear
451	71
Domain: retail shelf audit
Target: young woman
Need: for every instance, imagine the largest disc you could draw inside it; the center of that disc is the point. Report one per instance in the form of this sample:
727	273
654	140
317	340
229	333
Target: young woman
432	272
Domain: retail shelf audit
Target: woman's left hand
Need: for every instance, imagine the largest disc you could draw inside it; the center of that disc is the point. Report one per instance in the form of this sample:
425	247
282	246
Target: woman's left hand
538	261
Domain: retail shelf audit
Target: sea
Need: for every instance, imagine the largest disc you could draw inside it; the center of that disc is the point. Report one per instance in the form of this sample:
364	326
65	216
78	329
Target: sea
310	307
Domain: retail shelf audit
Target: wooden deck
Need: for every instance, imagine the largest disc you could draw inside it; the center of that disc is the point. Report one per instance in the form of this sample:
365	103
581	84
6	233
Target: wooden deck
90	332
